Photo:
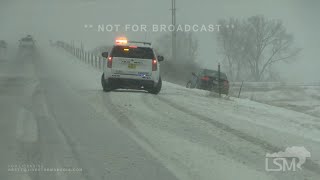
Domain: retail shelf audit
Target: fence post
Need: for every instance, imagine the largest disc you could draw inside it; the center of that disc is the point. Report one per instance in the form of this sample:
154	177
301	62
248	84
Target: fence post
103	63
92	57
87	58
82	54
96	60
240	90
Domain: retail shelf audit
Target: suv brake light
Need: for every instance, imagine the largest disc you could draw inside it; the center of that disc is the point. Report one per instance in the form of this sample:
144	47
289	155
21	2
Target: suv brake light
154	65
109	63
205	78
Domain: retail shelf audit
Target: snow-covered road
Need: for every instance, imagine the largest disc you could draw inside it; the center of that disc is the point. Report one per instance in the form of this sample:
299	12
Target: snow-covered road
54	112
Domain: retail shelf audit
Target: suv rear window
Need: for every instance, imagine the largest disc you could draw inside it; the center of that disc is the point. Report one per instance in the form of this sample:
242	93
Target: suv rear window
27	39
132	52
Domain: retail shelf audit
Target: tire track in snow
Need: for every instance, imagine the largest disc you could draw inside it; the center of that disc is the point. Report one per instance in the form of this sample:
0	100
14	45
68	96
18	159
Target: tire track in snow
222	144
49	130
125	122
310	165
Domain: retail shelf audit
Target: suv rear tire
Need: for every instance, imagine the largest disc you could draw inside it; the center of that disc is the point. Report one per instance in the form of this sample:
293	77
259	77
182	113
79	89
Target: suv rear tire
105	86
157	88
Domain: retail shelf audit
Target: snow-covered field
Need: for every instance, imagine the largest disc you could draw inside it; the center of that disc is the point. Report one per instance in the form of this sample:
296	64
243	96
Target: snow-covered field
195	134
305	99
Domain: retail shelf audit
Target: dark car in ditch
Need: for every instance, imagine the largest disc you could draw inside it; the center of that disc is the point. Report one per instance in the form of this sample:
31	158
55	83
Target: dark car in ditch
207	79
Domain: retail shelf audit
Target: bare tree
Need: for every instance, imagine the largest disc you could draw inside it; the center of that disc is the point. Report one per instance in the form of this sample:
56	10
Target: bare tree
270	44
256	43
178	71
233	46
186	42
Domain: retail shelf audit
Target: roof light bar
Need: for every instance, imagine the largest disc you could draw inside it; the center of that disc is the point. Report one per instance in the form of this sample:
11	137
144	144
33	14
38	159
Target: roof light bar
121	40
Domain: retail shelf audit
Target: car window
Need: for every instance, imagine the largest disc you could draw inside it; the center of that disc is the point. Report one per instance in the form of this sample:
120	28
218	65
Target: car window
213	73
200	73
133	52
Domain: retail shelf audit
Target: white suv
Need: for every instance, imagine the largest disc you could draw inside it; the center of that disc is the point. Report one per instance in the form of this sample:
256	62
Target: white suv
131	65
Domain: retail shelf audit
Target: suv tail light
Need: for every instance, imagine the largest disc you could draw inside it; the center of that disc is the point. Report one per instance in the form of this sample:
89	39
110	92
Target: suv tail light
109	63
154	65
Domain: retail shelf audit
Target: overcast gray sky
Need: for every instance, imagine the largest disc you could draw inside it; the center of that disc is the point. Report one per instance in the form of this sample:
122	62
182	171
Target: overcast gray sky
65	20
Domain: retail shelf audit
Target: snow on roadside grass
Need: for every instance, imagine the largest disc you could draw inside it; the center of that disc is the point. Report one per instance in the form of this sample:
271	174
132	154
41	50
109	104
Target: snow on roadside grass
302	99
277	118
276	126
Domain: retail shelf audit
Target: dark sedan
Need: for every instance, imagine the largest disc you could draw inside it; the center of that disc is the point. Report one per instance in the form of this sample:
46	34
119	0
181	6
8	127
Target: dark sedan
207	79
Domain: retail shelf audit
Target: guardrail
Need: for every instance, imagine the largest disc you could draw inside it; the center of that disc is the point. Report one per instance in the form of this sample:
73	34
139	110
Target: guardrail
274	84
85	56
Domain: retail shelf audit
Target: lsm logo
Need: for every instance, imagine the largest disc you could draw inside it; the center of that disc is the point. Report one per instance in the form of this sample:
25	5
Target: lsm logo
289	160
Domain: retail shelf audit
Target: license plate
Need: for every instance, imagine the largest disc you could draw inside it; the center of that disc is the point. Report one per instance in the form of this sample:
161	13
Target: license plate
131	66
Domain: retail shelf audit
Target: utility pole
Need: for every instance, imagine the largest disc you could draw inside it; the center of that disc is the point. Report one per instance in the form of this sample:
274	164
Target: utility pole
174	35
219	85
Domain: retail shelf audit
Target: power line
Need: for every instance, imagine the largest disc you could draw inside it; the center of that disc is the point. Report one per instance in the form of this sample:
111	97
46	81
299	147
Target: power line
174	35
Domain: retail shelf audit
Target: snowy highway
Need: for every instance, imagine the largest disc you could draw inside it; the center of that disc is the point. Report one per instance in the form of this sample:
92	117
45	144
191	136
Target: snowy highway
54	113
